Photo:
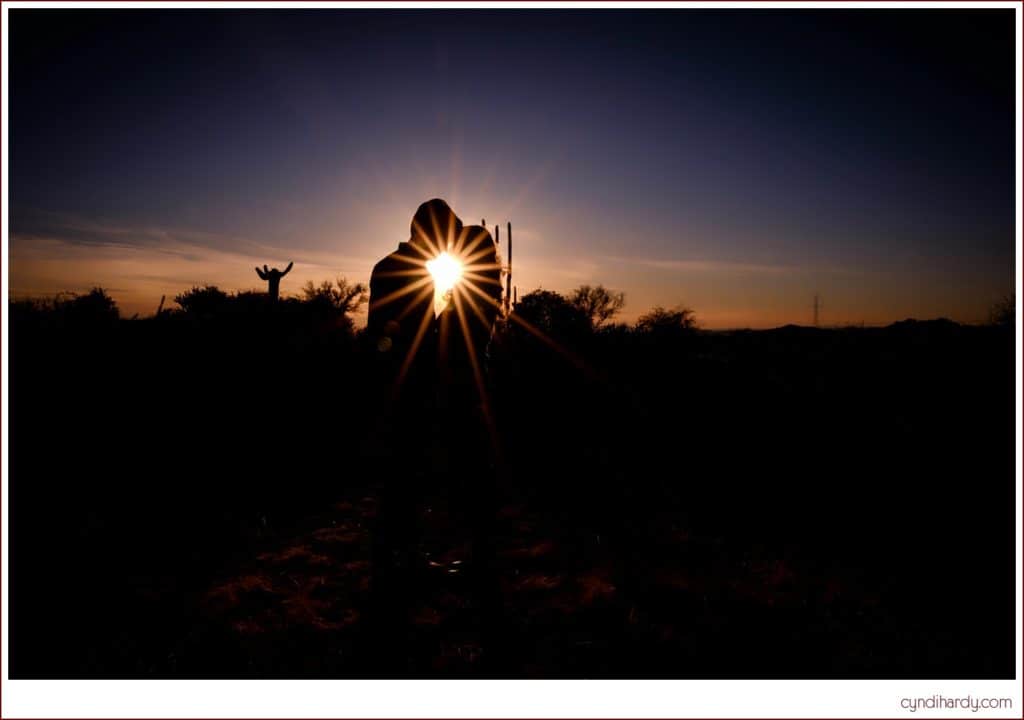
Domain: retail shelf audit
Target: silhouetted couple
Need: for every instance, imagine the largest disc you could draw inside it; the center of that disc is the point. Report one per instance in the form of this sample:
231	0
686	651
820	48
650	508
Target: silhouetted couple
434	301
433	305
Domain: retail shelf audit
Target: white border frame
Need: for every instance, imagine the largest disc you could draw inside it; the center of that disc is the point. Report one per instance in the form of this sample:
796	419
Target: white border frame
487	698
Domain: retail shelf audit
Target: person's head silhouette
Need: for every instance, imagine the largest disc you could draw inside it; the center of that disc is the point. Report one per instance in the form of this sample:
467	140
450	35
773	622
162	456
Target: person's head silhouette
434	227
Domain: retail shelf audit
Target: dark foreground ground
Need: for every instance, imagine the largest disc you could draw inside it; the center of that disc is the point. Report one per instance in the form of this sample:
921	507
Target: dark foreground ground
216	496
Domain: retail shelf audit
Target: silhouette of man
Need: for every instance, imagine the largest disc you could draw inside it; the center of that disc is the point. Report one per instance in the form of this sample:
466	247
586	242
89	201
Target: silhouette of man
466	324
482	258
273	277
469	434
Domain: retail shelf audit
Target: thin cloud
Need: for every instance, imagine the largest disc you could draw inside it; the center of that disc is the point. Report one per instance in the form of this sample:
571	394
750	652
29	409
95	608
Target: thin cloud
184	243
700	265
721	266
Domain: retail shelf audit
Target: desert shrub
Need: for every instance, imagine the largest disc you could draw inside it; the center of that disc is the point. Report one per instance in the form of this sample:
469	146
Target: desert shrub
203	301
661	321
340	296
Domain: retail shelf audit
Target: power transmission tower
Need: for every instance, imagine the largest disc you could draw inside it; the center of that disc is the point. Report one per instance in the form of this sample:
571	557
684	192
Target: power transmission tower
817	308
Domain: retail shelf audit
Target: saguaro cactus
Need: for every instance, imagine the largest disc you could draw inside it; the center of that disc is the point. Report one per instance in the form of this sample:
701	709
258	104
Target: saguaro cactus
273	277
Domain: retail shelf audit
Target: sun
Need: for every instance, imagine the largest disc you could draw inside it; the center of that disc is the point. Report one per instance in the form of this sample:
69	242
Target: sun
446	272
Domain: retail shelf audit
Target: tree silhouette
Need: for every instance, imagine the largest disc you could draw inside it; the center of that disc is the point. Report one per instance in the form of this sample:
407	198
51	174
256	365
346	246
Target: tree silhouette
341	296
273	277
598	303
1004	312
661	321
552	313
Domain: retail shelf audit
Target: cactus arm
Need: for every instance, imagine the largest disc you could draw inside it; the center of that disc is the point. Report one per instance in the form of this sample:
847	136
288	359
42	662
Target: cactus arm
261	274
287	269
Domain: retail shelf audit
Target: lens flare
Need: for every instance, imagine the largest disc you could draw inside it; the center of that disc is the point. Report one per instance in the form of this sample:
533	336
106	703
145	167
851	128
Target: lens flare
446	271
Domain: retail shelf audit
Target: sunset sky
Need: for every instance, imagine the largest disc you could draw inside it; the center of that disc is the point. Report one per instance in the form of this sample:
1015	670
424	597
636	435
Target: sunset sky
736	162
